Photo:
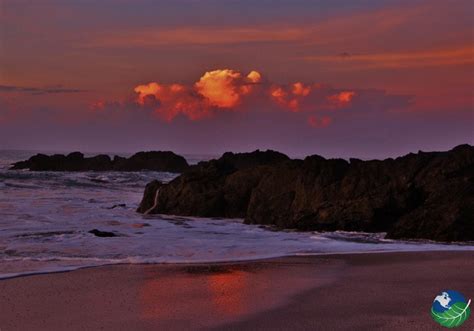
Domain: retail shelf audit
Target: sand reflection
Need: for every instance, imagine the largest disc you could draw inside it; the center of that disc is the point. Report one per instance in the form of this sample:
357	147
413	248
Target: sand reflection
211	295
210	298
228	291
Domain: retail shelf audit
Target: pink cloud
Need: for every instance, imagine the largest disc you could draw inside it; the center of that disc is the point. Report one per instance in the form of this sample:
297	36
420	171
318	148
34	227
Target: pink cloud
319	122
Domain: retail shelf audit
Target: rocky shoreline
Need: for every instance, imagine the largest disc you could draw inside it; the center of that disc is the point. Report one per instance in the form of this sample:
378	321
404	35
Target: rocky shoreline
155	161
428	195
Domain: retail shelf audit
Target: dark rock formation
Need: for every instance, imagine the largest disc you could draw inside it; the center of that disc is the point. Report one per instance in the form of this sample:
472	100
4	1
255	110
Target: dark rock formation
248	160
157	161
121	205
148	200
104	234
423	195
216	188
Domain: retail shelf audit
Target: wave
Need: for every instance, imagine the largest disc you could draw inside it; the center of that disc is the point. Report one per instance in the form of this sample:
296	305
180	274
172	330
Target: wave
94	180
45	219
89	262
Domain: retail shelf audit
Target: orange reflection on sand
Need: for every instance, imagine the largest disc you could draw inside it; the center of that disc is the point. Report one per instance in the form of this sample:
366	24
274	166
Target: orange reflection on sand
228	292
164	298
186	296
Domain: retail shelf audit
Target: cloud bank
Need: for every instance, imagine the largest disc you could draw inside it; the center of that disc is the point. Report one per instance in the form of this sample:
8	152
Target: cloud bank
228	90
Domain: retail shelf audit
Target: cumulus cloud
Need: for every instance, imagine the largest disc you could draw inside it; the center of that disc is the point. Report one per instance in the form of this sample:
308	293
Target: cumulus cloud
230	91
168	101
299	97
290	96
342	98
226	88
216	90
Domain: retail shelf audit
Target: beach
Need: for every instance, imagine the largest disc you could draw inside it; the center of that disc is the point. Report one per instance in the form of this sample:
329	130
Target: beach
389	291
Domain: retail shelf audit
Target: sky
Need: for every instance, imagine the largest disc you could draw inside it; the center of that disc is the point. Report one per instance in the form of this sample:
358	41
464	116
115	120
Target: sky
340	78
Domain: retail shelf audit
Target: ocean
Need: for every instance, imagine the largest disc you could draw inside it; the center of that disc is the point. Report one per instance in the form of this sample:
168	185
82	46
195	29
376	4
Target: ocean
45	219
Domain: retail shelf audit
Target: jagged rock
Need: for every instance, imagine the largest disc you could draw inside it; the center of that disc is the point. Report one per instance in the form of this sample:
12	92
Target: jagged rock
423	195
256	158
218	188
157	161
149	196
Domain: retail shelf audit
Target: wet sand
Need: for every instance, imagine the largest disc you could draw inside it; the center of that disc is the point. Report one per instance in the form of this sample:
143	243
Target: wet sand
389	291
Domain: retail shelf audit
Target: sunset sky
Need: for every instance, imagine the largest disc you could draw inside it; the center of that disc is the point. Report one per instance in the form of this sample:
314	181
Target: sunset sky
342	78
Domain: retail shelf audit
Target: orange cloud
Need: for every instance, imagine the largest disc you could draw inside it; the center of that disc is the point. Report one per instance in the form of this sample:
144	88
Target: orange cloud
98	105
319	122
279	95
290	97
254	77
225	90
220	88
217	89
171	100
301	89
146	90
342	98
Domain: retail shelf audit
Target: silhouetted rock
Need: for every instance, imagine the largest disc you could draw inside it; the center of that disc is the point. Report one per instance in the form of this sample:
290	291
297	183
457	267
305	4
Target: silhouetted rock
423	195
149	196
121	205
99	233
215	188
157	161
256	158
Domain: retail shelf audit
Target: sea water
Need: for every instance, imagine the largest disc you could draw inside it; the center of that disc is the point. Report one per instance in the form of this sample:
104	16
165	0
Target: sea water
45	219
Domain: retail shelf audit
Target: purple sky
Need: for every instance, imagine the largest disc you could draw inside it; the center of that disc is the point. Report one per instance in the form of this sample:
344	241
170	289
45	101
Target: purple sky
369	79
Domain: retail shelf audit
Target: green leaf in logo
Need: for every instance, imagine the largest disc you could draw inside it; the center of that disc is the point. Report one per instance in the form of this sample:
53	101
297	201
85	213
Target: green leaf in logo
454	316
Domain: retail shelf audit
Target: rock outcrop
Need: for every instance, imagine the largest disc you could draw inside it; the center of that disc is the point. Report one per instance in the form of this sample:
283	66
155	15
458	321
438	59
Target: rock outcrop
156	161
219	188
424	195
149	197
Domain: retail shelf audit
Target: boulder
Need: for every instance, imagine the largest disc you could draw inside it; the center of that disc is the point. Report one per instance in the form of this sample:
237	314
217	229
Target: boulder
103	234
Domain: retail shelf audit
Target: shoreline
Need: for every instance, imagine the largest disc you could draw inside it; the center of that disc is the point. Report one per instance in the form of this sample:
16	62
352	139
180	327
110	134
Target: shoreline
300	292
227	262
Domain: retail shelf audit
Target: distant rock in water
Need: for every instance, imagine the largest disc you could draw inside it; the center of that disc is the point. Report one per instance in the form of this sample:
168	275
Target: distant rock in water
256	158
121	205
99	233
424	195
156	161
